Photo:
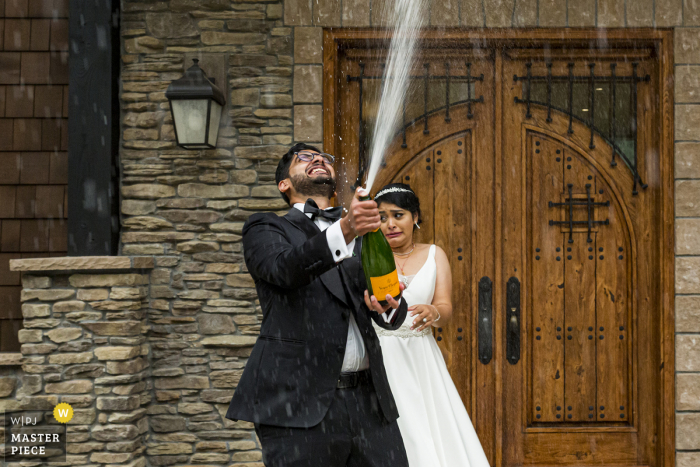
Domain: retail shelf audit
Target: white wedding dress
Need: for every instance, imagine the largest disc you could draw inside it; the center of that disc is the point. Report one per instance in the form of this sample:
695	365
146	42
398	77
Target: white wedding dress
434	424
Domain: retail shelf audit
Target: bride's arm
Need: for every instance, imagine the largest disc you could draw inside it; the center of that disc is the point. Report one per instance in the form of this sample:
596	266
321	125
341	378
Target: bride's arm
442	299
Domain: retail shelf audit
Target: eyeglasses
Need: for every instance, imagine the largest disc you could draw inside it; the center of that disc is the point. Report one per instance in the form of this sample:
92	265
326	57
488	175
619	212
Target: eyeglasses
307	156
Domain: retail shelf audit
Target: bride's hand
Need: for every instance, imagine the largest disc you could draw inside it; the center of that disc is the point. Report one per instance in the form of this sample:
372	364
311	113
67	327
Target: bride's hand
425	315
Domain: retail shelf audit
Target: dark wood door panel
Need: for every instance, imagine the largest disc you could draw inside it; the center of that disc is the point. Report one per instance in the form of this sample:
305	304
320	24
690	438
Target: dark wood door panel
579	232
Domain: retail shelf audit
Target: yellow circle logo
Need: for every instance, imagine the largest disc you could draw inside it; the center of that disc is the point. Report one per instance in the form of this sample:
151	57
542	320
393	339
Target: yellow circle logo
63	413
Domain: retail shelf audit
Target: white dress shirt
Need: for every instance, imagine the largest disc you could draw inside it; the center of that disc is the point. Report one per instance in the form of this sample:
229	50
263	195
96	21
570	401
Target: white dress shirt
355	358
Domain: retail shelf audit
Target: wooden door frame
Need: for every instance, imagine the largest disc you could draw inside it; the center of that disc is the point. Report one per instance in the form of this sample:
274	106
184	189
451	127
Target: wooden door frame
336	39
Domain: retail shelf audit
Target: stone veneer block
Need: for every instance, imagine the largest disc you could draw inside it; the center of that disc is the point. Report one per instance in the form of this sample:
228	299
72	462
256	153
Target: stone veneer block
308	123
132	207
687	84
688	236
68	306
46	295
114	328
326	13
245	97
169	25
275	11
107	280
308	45
688	352
687	274
688	313
473	12
691	17
297	12
668	13
308	84
117	353
582	13
200	190
379	13
553	13
686	45
229	341
444	13
687	198
688	431
260	152
35	311
11	359
688	391
77	386
183	382
232	38
114	432
640	13
687	122
355	13
35	282
148	191
7	385
62	335
81	263
525	13
611	13
687	459
498	13
687	160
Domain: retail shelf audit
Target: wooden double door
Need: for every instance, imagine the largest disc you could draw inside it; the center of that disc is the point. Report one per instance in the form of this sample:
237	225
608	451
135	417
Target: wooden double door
539	173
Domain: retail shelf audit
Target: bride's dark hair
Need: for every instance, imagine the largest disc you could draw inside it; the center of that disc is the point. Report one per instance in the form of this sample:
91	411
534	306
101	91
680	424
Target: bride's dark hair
402	196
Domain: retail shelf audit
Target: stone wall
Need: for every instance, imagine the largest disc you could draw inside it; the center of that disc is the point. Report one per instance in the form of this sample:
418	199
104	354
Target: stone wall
188	208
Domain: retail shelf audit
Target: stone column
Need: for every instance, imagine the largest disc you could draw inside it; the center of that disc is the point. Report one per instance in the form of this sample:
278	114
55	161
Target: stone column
84	343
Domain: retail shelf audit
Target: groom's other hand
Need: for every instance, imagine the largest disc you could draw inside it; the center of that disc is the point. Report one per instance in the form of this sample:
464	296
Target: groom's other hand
362	217
373	304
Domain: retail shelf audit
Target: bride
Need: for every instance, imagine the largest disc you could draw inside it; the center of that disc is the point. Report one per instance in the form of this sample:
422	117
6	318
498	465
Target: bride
434	424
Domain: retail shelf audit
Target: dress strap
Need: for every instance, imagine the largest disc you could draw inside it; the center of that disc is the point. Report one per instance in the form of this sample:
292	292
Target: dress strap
431	253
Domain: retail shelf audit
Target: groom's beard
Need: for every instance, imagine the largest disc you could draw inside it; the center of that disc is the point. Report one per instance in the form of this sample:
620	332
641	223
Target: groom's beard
316	186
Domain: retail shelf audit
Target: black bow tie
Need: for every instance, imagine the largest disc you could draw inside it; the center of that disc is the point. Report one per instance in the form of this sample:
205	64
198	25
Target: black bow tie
331	214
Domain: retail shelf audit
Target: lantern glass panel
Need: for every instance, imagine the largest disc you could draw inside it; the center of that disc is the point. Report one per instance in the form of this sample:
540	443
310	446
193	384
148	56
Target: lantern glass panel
190	116
214	122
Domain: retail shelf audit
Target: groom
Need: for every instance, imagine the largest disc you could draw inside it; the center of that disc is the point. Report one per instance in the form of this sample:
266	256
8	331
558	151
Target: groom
315	384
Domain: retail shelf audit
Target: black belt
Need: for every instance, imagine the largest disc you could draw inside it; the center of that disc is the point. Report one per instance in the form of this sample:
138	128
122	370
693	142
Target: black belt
350	380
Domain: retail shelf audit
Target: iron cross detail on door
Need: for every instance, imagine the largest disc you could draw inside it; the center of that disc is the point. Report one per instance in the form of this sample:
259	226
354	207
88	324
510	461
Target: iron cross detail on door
570	203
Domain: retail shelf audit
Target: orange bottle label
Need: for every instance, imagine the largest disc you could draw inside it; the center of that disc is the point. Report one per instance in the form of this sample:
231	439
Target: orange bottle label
383	285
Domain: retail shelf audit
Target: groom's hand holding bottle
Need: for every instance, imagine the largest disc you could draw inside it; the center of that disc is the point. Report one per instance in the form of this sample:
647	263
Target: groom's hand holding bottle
363	217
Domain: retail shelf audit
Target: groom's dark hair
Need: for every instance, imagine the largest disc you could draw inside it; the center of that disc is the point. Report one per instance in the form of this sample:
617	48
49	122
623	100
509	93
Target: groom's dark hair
403	196
282	171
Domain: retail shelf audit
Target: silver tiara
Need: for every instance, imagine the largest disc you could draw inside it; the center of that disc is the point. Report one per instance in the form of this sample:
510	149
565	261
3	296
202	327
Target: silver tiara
393	189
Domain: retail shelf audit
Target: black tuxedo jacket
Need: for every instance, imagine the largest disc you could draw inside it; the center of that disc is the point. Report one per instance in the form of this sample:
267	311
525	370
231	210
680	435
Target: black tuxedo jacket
306	299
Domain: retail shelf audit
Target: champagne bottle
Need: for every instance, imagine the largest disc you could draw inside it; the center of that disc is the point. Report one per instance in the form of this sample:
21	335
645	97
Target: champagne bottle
379	266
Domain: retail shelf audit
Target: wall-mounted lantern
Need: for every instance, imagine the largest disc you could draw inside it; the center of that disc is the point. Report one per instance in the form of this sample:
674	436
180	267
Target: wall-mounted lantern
196	104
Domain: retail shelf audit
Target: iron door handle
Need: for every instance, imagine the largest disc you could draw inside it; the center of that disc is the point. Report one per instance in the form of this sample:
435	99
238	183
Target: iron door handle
485	326
513	320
